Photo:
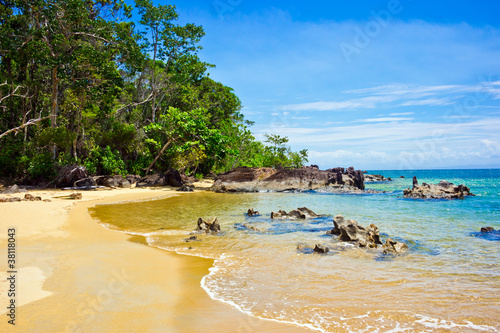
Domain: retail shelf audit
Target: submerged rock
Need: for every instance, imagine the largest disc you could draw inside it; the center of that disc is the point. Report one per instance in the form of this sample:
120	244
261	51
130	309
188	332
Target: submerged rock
443	190
393	247
252	212
487	229
299	213
192	239
318	248
209	226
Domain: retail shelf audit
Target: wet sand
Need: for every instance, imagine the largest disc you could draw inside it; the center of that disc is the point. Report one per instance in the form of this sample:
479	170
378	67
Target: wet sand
73	275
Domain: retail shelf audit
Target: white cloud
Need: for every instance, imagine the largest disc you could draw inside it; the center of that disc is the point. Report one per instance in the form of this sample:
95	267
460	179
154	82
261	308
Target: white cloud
429	102
401	114
385	119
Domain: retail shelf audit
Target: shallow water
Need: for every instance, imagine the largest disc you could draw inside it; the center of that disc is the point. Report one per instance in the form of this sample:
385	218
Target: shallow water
448	281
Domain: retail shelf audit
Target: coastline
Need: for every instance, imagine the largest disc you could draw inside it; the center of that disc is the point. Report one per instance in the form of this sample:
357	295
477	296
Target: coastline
77	276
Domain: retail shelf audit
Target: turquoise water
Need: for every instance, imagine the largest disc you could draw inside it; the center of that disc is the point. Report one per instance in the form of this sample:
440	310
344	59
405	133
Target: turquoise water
448	281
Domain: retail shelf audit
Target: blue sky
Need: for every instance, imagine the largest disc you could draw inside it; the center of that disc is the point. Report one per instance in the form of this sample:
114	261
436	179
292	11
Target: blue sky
374	84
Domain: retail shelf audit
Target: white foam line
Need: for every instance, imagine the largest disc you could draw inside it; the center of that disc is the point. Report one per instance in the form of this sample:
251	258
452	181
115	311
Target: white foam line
212	295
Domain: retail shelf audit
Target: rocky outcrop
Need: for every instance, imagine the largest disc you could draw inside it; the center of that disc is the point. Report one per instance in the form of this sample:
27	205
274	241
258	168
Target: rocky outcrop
299	213
443	190
351	231
244	179
208	226
376	178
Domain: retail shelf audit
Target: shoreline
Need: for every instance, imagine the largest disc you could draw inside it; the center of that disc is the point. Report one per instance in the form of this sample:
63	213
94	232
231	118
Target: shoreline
77	276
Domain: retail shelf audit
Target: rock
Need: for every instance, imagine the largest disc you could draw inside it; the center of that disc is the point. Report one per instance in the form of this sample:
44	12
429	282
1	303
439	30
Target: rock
401	176
252	212
75	196
321	249
487	229
171	177
133	179
251	227
186	188
11	190
281	214
47	200
14	199
299	213
244	179
192	239
393	247
376	178
70	174
210	226
85	182
31	197
351	231
415	181
442	190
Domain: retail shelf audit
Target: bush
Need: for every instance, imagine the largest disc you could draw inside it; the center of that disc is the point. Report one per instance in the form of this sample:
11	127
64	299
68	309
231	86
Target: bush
105	162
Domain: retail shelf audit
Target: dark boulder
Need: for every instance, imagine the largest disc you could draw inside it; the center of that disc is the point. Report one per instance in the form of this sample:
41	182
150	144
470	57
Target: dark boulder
487	229
70	174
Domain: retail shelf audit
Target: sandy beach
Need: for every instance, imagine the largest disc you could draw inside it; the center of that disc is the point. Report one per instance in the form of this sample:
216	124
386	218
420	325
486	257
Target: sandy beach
73	275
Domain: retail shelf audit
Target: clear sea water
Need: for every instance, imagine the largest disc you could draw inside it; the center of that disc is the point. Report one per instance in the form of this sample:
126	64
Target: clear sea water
448	281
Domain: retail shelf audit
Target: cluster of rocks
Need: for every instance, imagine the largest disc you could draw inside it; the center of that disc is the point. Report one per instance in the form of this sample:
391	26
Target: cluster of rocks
27	197
245	179
299	213
77	177
376	178
211	226
350	231
443	190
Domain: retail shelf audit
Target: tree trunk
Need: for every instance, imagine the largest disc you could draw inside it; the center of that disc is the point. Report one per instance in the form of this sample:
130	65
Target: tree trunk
54	107
159	155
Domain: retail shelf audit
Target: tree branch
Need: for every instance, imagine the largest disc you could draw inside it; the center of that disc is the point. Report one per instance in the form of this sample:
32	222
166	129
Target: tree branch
17	129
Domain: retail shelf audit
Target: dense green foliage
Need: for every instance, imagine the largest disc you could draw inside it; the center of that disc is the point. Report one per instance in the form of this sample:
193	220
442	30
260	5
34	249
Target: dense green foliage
80	83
